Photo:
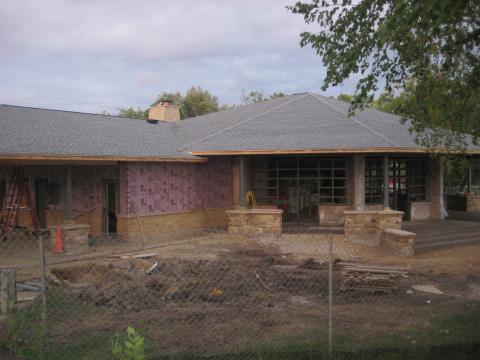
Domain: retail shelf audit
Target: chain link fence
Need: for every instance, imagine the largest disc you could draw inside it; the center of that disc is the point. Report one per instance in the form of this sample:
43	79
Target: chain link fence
307	294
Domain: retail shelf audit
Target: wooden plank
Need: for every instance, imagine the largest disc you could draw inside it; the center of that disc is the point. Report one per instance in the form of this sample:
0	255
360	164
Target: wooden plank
15	158
373	266
377	271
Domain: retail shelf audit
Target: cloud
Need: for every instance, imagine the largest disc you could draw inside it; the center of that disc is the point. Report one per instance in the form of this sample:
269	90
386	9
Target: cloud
95	55
148	29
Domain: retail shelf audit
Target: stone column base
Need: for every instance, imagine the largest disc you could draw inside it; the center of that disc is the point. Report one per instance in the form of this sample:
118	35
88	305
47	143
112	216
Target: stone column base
400	241
255	222
368	226
74	238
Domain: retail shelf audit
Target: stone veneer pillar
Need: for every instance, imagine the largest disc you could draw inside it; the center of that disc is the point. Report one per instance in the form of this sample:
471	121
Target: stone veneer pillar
359	181
74	237
435	188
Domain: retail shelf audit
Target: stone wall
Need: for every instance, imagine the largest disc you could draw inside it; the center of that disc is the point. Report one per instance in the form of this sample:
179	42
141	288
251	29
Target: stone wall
401	242
332	215
173	222
255	222
473	202
419	210
368	226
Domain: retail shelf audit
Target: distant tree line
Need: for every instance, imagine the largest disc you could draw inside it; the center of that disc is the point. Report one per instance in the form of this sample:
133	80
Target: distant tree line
196	102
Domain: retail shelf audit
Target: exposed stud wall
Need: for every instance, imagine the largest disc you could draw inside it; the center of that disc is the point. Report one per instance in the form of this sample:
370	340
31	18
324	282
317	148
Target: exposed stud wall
88	190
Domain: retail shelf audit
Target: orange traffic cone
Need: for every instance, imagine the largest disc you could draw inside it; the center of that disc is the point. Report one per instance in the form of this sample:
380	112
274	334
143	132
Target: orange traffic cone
59	242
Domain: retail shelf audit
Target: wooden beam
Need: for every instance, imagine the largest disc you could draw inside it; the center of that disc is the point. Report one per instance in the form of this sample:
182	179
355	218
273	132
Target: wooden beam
15	158
389	150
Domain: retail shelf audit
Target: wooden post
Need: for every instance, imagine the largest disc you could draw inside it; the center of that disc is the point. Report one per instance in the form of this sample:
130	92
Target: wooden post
8	291
69	196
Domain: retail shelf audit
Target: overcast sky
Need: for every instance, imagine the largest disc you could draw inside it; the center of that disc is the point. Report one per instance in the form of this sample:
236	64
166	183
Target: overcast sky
95	55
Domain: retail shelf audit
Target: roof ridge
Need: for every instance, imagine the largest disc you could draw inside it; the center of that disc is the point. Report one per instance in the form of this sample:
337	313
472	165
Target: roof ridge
244	121
356	121
236	107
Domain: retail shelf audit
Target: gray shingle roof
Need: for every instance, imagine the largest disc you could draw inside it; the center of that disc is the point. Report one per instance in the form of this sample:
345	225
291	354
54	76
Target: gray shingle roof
53	132
296	122
299	122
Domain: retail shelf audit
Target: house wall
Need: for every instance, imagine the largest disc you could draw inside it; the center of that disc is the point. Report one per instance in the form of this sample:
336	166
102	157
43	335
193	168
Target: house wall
172	197
87	184
163	196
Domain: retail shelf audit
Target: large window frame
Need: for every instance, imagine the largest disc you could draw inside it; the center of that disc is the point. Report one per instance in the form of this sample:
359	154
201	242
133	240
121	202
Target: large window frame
407	176
329	174
374	180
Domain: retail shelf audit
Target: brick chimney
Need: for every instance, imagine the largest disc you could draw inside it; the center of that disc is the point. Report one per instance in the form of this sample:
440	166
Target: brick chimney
163	111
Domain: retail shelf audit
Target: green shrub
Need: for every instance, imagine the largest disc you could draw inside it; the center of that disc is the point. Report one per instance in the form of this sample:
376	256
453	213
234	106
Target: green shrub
130	348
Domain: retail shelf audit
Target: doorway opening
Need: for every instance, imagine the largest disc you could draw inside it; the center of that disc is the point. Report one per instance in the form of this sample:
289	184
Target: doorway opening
110	208
41	201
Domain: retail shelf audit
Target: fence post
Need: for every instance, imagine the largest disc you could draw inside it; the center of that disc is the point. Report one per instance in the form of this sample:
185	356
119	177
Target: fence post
43	280
330	294
8	291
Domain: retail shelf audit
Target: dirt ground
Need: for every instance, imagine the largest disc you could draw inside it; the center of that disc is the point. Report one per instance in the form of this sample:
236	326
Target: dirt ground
208	298
214	292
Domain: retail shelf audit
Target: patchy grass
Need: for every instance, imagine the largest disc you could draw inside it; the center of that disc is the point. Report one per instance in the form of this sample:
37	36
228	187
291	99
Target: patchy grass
454	336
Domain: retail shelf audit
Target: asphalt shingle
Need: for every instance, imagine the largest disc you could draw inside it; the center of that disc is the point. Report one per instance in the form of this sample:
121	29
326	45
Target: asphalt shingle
52	132
297	122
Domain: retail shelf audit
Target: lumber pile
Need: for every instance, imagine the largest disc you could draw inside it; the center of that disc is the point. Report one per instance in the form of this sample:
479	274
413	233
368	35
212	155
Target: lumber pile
371	278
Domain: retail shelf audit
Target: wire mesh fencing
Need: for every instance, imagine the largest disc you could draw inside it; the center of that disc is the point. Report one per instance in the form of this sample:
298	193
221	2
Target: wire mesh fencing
308	294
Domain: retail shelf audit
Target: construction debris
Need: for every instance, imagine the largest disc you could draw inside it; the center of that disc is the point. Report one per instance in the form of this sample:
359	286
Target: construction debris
311	264
151	269
28	287
131	256
372	278
431	289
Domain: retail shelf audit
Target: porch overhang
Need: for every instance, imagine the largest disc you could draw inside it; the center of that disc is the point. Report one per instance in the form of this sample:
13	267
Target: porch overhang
331	151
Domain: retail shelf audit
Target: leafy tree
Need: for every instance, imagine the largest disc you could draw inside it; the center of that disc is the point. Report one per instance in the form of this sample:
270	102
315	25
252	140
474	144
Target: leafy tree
392	104
195	102
199	102
255	96
130	112
345	97
429	49
277	95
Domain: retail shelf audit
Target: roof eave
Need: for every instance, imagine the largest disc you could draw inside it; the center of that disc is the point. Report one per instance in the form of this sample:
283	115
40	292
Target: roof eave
383	150
7	158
